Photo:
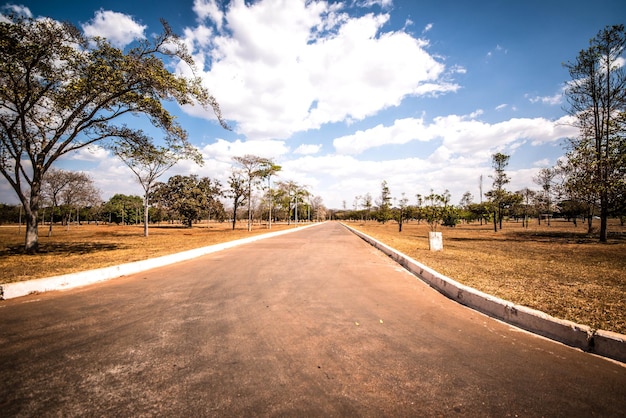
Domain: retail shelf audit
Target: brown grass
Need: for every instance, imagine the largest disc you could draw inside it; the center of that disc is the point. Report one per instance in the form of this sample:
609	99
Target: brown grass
558	269
87	247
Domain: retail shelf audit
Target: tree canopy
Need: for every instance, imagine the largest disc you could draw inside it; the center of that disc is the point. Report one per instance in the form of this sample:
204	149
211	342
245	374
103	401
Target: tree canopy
61	91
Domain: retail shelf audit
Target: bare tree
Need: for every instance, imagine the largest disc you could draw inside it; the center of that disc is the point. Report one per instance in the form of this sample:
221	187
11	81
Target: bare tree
68	189
597	98
545	179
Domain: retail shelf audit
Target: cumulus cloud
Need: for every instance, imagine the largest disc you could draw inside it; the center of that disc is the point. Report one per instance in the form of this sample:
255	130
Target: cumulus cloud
222	150
118	28
278	68
461	135
209	9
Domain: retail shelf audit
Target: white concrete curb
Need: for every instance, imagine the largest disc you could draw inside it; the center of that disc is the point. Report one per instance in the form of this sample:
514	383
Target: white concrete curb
604	343
68	281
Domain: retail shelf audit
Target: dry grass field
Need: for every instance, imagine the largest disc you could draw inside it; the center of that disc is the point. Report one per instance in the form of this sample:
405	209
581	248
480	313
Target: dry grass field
557	269
87	247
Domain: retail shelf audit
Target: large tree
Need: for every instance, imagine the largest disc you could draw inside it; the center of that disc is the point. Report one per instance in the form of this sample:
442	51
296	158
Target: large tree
597	98
61	91
151	161
182	196
211	191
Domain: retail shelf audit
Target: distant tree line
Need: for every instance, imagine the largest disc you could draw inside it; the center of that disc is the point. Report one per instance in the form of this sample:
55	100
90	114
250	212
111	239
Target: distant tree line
70	197
552	199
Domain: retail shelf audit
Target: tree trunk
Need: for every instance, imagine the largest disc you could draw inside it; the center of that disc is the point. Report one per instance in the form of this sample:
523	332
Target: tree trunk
495	221
32	234
604	216
145	215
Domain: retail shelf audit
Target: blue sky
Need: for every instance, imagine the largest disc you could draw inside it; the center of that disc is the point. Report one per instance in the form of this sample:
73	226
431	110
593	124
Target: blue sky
344	95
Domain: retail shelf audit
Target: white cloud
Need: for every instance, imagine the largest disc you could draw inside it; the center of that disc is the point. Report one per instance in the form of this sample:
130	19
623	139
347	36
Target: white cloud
222	150
118	28
209	9
501	106
549	100
385	4
287	67
461	135
307	149
89	153
19	10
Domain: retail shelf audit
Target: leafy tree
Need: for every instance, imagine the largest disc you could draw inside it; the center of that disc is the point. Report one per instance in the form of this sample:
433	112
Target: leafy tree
212	191
254	168
435	207
288	195
149	162
61	91
498	195
367	205
572	209
10	213
183	196
464	204
479	211
384	204
597	98
123	208
403	211
237	192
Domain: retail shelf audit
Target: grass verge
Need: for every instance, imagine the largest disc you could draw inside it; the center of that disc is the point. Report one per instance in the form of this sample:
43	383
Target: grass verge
558	269
86	247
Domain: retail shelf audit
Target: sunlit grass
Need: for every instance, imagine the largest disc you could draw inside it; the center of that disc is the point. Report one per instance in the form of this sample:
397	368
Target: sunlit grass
87	247
558	269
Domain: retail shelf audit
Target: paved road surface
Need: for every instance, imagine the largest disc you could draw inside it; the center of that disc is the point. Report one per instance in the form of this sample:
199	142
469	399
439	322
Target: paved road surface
314	323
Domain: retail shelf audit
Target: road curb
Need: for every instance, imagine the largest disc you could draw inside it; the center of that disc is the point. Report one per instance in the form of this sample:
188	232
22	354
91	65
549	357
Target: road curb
69	281
600	342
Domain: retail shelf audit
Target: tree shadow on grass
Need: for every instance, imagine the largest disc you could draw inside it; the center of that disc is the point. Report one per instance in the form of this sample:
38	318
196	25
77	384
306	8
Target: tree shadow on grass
64	248
546	236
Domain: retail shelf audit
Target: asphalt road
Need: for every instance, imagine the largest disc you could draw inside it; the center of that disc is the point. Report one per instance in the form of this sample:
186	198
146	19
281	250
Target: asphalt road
313	323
